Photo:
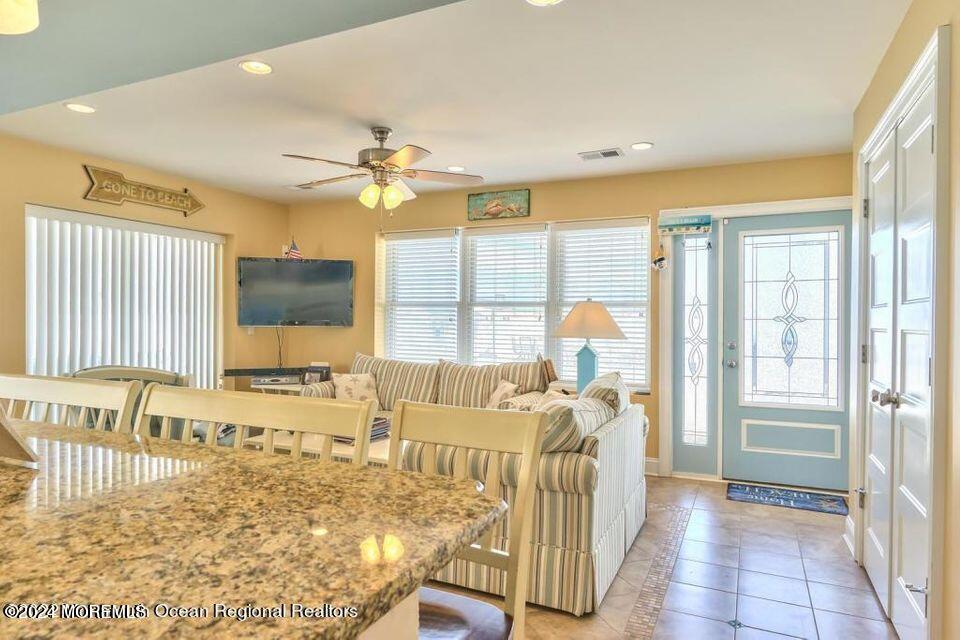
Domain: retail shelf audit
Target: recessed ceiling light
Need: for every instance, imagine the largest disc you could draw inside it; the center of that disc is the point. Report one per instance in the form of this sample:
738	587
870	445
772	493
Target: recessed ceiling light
456	169
256	67
641	146
79	108
543	3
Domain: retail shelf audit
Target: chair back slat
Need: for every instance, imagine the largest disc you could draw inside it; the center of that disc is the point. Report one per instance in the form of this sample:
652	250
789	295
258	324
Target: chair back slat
497	432
317	416
69	394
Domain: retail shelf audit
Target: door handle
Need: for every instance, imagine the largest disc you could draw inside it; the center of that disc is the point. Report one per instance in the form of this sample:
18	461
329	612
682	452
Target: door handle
915	588
731	364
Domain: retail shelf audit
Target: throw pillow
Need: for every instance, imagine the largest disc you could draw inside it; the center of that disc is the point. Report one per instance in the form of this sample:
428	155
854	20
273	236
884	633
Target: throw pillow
504	390
356	386
611	389
549	397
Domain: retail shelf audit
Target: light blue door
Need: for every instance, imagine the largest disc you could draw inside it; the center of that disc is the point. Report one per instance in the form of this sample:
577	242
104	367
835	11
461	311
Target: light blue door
785	363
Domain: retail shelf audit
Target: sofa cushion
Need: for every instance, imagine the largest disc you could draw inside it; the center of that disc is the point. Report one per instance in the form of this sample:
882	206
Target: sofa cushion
319	390
525	402
611	389
570	421
356	386
504	390
399	380
465	385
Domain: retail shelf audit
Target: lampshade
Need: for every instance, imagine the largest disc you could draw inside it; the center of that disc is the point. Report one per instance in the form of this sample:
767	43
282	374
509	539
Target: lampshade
18	16
392	197
370	195
589	319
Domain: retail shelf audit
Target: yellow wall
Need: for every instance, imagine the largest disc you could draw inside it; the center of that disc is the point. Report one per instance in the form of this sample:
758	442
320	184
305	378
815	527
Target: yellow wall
344	229
39	174
918	26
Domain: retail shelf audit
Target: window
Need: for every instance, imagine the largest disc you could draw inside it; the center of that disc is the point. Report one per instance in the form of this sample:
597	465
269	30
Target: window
609	262
422	294
506	293
486	295
102	291
695	283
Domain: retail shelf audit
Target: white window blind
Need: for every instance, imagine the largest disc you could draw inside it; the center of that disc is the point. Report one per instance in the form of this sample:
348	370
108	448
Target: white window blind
422	293
506	276
486	295
102	291
609	262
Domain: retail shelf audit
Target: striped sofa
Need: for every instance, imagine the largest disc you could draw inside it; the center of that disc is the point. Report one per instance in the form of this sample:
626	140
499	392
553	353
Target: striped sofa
591	494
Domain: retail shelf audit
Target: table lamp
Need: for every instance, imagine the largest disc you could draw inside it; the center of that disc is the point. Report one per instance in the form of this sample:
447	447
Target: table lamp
588	320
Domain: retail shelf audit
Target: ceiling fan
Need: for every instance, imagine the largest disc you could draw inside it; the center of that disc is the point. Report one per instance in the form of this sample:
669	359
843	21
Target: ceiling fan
387	168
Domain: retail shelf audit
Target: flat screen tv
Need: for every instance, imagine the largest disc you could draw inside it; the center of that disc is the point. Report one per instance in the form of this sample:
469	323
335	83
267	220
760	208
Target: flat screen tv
274	292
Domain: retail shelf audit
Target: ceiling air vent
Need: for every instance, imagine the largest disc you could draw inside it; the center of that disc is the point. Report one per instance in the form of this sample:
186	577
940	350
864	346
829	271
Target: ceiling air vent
602	154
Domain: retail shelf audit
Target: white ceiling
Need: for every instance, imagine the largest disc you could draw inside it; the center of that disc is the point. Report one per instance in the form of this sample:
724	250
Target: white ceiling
507	90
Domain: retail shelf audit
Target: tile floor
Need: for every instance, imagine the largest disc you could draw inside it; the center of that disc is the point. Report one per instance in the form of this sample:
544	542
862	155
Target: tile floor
706	568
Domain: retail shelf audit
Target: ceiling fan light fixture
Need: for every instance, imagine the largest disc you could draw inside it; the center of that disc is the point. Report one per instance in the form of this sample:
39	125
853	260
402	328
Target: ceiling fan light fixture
392	197
456	169
544	3
18	16
641	146
370	195
78	107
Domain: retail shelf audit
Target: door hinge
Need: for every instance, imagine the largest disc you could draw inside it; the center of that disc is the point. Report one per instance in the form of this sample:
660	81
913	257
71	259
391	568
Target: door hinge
864	353
861	497
866	207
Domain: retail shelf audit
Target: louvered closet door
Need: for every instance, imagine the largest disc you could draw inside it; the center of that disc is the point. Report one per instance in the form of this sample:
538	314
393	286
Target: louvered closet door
102	291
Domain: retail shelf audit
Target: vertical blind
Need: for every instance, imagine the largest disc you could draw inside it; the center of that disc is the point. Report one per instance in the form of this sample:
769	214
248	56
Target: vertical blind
490	295
422	291
506	277
102	291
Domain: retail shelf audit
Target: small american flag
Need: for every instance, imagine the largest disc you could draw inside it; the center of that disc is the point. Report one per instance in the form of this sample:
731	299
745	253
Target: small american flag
294	252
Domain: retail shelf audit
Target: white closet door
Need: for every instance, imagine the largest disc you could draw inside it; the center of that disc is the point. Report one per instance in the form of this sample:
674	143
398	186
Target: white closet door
916	188
878	439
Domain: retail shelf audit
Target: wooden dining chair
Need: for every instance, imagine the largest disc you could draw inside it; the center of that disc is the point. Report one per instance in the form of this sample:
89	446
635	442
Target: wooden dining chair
323	417
444	614
70	401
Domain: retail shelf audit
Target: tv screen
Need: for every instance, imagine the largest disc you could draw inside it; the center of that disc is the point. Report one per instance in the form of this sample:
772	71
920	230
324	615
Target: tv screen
274	292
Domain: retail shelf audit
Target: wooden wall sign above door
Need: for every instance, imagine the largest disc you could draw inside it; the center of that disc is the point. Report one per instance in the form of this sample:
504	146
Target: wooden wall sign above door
112	187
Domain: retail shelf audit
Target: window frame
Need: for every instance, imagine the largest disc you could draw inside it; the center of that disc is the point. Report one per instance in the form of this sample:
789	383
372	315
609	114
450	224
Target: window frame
552	305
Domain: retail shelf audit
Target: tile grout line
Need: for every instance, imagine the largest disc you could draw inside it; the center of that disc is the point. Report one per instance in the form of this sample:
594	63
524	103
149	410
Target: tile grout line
646	610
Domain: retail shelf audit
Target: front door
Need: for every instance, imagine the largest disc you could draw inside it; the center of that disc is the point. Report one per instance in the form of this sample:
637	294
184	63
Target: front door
785	349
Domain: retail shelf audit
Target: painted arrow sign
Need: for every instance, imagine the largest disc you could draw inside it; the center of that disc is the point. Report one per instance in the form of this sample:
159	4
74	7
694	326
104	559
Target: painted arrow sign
112	187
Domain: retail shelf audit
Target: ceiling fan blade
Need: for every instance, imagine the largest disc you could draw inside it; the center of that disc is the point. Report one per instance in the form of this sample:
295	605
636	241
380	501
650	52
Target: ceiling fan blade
410	154
408	193
320	183
463	179
339	164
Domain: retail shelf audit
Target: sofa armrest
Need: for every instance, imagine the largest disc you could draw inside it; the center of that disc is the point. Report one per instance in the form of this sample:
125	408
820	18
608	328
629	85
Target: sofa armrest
560	471
619	447
319	390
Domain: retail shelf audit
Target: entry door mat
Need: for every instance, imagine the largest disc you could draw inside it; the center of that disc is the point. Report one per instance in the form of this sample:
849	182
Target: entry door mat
790	498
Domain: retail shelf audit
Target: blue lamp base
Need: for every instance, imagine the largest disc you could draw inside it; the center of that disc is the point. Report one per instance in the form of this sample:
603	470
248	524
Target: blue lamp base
586	366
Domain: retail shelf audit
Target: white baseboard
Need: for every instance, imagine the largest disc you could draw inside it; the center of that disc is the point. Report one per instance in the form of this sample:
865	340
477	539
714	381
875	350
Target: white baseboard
699	477
651	467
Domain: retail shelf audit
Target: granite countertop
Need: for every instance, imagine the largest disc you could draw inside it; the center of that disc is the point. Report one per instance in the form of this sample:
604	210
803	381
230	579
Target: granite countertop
117	520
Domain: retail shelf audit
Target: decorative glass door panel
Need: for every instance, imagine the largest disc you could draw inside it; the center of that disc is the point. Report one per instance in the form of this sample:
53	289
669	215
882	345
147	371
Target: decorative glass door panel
791	326
785	353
